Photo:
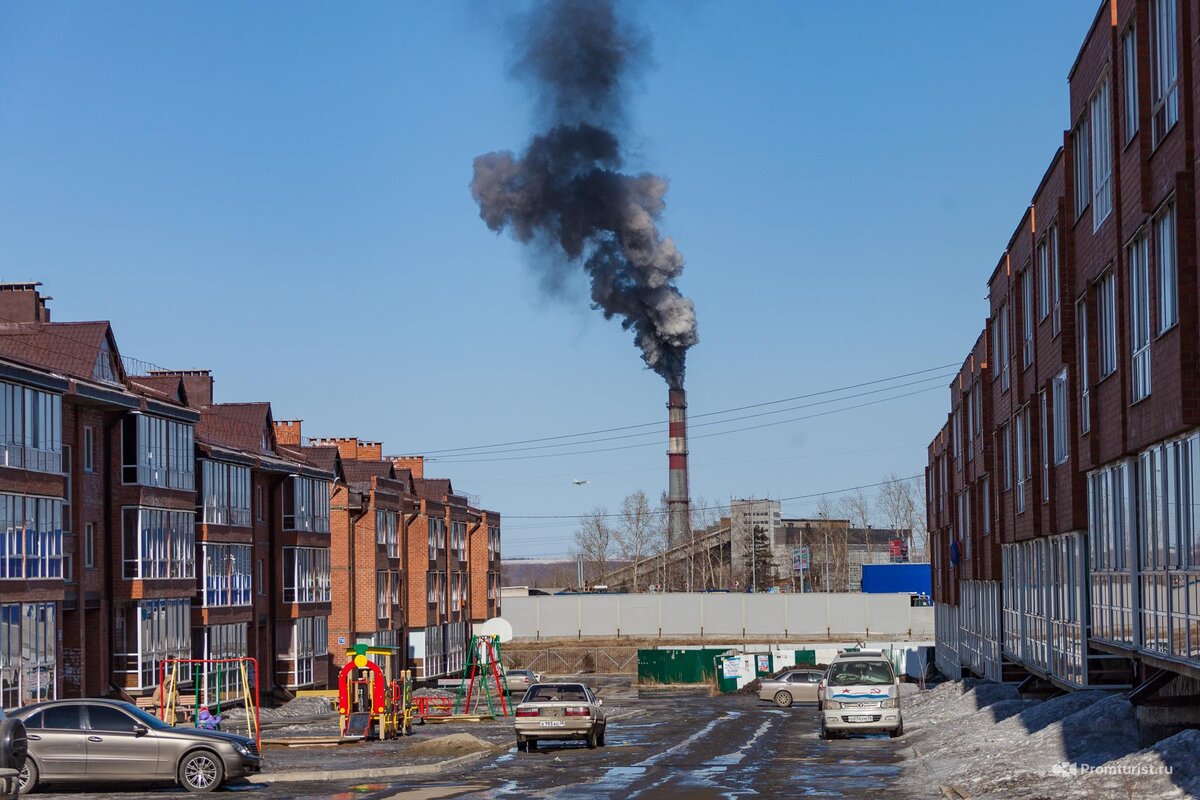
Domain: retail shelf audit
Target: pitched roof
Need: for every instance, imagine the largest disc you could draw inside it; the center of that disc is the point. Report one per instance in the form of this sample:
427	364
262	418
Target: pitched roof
242	426
433	488
68	348
164	387
359	473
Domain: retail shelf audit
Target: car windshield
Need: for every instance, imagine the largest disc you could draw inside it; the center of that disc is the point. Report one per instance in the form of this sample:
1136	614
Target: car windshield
854	673
519	673
550	693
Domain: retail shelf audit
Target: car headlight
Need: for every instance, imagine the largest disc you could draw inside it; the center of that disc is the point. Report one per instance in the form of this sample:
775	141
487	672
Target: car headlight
242	749
833	704
889	703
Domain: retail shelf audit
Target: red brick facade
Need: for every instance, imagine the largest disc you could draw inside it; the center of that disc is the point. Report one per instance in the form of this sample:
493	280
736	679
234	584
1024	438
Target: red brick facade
1078	509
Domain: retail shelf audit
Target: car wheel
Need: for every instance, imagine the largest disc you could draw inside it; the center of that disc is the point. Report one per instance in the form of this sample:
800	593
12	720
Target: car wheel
29	777
201	771
898	731
592	739
783	699
522	745
600	741
532	745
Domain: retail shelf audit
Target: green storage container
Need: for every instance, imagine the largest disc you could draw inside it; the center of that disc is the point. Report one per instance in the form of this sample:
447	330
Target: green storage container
677	666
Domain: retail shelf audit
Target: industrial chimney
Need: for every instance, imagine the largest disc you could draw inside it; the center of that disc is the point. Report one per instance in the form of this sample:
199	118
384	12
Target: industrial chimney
679	521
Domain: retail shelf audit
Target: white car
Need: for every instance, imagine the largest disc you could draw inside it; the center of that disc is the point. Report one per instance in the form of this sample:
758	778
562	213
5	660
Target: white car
861	694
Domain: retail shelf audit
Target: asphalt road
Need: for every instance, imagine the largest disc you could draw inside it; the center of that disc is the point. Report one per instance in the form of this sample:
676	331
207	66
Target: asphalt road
673	747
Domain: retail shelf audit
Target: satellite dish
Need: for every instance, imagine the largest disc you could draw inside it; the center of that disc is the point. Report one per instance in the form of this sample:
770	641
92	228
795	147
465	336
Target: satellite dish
498	627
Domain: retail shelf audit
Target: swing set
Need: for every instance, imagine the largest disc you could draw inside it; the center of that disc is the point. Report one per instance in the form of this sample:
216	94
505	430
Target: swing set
241	689
483	665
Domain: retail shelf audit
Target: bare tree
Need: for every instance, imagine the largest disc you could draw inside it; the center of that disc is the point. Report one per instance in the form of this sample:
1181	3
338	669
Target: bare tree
638	532
594	540
898	503
856	507
828	557
920	526
706	516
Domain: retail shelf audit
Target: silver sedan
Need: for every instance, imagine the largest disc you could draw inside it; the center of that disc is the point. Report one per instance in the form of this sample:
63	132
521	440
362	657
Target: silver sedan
797	686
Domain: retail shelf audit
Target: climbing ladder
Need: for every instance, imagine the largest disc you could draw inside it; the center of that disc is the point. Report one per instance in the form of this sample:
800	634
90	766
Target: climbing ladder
483	664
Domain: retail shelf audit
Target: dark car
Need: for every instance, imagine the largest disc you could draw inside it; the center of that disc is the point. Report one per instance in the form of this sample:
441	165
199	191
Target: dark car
98	741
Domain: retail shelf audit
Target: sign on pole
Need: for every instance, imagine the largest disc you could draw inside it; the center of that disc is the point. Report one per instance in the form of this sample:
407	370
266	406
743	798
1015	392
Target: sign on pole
800	558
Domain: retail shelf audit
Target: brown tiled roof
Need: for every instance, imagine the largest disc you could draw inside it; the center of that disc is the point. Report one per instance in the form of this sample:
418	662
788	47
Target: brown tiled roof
68	348
359	473
237	425
159	386
433	488
405	477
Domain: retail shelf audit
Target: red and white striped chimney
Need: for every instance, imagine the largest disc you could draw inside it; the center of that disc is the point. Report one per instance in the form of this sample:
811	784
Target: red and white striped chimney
679	520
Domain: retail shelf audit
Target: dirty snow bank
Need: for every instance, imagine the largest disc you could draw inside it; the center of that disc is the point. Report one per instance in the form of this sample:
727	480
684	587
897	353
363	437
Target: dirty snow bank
984	739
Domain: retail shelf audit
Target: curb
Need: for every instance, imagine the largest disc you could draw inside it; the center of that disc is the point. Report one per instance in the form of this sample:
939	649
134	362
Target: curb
366	774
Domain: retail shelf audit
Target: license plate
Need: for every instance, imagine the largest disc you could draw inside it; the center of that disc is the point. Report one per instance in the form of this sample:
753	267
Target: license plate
860	718
553	723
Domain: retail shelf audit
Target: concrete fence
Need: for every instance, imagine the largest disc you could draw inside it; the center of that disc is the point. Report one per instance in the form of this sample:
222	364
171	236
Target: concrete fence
718	615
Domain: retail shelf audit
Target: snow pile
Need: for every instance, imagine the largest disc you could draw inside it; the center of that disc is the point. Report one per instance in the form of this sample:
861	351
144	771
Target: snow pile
982	738
435	693
301	708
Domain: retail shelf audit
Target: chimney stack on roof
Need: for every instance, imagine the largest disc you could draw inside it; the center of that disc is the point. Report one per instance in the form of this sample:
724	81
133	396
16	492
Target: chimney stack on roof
23	302
198	383
414	464
287	432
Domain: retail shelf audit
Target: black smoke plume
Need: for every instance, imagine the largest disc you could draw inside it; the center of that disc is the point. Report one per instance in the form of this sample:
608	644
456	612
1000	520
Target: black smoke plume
565	194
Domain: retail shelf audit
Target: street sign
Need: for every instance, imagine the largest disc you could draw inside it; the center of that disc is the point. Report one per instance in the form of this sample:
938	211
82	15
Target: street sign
800	559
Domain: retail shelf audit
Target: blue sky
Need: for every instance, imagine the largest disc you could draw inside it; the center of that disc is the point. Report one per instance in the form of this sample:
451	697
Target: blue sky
278	192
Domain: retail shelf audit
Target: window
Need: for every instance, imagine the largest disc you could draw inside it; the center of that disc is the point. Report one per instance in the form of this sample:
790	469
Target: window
1021	433
225	492
66	487
1129	46
28	646
30	429
969	404
1026	317
1106	296
109	719
1085	406
262	584
89	450
63	718
226	578
89	546
1044	441
260	503
221	681
1101	125
105	368
158	543
1168	284
1062	442
1079	147
1139	316
148	633
309	641
387	532
493	542
306	504
1164	76
1043	277
30	537
157	452
306	575
1006	444
68	568
985	500
1000	345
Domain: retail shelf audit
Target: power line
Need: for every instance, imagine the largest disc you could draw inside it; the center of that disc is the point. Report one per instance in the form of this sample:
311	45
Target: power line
716	508
701	436
659	423
622	437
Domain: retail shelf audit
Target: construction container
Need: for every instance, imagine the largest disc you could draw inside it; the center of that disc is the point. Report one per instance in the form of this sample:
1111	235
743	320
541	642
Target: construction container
677	666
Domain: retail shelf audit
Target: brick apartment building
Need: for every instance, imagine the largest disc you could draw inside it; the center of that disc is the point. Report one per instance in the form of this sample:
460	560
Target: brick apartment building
141	521
1063	491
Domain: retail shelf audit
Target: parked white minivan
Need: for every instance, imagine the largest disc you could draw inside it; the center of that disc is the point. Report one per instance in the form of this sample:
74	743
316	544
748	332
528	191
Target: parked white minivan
861	694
